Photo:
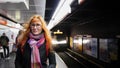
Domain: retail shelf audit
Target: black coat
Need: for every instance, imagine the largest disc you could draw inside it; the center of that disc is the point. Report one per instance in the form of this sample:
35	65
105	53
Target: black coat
4	40
23	59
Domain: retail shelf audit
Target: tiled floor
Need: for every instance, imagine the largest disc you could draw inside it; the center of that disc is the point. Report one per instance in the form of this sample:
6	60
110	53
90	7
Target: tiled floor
8	63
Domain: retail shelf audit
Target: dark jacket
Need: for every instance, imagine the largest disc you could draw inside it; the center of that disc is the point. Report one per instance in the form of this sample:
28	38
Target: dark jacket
23	59
4	40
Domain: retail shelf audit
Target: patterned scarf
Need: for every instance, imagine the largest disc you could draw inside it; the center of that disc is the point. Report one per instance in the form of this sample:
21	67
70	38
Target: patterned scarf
35	55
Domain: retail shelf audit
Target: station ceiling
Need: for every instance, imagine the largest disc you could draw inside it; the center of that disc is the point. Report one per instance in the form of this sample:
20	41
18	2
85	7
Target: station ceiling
91	16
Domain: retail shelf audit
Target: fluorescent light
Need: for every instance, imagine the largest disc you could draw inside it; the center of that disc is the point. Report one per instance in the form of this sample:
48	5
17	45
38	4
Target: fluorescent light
17	15
80	1
61	11
59	42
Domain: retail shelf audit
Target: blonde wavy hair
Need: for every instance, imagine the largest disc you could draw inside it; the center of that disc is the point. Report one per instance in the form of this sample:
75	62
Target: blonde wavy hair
25	33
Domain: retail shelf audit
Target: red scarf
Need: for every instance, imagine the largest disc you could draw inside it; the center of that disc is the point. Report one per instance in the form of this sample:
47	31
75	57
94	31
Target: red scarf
35	55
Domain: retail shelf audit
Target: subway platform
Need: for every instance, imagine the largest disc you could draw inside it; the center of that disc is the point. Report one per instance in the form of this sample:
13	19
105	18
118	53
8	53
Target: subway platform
9	63
64	59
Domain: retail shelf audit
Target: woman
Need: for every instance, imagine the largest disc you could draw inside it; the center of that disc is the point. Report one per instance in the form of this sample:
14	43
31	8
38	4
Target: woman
35	46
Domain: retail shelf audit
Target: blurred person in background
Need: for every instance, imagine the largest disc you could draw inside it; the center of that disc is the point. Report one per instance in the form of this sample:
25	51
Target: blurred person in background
18	38
4	42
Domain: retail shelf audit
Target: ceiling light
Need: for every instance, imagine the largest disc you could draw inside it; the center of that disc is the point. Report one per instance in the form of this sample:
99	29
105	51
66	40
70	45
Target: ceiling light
58	32
80	1
61	11
17	15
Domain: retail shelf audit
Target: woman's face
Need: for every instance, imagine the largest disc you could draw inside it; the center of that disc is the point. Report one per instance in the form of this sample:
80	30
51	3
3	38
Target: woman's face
36	26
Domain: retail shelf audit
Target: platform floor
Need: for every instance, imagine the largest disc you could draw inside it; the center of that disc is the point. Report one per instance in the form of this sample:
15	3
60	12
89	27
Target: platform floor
9	63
